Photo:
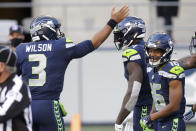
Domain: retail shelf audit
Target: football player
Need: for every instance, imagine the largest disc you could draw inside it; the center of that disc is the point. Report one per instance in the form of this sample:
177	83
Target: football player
43	62
128	36
167	84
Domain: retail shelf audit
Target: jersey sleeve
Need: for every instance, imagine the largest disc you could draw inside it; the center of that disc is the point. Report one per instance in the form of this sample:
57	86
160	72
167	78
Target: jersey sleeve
173	71
78	50
131	55
177	72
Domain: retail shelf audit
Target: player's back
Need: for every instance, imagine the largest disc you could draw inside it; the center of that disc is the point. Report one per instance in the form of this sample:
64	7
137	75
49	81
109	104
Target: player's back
43	64
135	53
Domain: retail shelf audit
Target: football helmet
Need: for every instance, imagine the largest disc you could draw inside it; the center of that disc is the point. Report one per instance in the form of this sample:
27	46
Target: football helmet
45	28
159	41
192	47
127	31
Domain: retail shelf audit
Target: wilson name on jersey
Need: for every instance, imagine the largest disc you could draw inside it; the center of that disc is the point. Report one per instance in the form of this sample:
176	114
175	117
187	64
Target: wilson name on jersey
43	64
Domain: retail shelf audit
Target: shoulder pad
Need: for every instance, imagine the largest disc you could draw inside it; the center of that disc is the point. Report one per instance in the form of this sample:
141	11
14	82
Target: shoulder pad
69	43
129	52
67	40
176	70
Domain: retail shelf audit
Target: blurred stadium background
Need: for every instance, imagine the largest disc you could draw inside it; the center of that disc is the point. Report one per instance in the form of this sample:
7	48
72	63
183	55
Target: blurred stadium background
94	85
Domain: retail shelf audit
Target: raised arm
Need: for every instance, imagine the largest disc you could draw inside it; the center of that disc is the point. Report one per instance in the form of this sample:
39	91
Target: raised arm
116	17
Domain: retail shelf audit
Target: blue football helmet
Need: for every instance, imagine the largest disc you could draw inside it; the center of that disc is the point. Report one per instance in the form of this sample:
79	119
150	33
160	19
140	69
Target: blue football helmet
130	29
192	47
45	28
160	41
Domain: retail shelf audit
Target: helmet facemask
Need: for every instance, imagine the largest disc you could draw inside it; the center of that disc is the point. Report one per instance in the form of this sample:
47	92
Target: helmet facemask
128	31
160	60
124	40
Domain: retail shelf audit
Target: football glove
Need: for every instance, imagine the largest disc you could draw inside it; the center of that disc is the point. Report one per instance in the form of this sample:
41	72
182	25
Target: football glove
189	115
146	123
118	127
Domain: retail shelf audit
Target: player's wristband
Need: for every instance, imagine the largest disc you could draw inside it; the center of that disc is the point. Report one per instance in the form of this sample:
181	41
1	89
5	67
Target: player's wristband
112	23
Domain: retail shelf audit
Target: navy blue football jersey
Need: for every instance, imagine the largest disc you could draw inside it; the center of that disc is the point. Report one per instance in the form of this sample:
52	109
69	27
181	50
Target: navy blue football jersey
136	53
43	64
159	80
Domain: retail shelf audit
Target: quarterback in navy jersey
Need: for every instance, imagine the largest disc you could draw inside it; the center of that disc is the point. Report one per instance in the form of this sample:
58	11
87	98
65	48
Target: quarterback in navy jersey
128	35
43	62
167	81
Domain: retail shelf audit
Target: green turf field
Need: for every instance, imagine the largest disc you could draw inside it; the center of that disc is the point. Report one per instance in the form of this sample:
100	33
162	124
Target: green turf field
111	128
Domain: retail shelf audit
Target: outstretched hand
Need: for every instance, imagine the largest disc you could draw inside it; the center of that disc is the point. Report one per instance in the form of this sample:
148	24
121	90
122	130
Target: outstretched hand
120	14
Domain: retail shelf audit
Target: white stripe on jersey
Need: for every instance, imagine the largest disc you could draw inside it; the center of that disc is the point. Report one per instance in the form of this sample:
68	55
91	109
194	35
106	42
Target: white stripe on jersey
1	127
9	125
135	57
68	45
28	117
15	92
166	74
2	97
169	75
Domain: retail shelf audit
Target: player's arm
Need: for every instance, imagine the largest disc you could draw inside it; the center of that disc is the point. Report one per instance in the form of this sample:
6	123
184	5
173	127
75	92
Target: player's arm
175	96
188	62
153	109
131	96
87	46
194	107
116	17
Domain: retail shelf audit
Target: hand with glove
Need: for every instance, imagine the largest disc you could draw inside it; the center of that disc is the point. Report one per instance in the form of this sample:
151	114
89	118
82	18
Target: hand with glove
189	115
146	123
118	127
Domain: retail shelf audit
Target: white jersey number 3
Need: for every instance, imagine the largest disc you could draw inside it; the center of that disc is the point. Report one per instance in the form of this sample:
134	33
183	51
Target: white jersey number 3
38	70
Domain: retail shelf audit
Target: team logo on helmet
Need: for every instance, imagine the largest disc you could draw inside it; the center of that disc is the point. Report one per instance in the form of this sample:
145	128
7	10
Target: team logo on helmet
127	31
45	28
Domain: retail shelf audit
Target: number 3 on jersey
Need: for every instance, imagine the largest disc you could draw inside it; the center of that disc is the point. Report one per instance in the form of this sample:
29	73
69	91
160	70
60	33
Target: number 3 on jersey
38	70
